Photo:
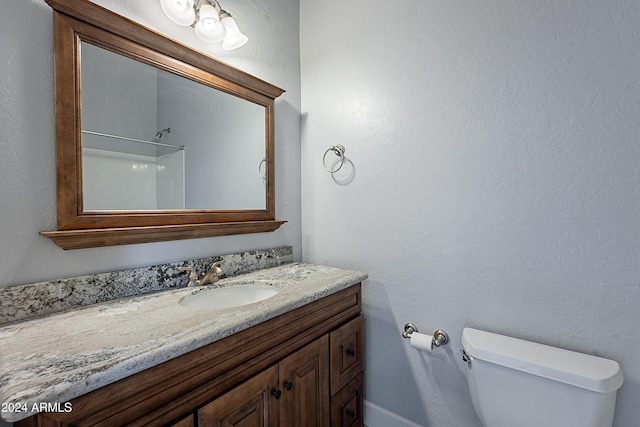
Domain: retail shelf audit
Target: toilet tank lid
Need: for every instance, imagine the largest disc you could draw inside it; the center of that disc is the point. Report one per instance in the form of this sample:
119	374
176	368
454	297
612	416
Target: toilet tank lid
570	367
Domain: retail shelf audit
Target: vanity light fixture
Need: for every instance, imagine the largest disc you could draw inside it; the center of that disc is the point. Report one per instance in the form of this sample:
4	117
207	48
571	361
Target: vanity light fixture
211	23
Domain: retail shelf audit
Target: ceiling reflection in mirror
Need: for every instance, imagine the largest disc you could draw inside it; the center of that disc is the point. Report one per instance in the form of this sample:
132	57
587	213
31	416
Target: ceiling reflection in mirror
153	140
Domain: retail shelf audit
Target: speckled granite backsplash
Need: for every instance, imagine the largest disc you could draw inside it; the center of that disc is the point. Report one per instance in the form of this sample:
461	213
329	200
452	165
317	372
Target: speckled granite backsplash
38	299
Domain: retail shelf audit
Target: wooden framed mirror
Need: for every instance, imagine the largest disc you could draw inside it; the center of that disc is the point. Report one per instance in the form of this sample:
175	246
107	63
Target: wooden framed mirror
154	141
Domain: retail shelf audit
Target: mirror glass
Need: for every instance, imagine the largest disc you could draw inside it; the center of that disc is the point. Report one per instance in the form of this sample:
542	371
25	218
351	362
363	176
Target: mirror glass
154	140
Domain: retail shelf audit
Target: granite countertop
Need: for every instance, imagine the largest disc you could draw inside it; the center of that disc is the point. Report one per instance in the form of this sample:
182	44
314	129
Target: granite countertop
62	356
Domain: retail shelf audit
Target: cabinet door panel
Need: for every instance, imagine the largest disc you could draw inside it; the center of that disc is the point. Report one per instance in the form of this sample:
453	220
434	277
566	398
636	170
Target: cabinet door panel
304	379
251	404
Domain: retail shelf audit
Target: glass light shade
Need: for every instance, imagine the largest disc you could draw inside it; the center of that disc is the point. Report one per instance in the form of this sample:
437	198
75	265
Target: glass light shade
234	38
179	11
209	27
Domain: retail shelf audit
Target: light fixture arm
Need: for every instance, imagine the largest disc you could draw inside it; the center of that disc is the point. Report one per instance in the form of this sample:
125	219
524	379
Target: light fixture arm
198	3
216	5
221	12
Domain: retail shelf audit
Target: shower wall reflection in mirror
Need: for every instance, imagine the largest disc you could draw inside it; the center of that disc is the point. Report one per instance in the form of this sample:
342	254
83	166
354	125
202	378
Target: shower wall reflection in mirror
153	140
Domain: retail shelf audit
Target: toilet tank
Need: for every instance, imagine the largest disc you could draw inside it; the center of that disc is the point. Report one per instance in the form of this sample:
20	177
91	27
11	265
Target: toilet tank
518	383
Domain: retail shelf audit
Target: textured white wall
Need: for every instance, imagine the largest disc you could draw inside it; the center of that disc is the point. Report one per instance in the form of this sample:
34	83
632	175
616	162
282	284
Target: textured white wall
493	181
27	137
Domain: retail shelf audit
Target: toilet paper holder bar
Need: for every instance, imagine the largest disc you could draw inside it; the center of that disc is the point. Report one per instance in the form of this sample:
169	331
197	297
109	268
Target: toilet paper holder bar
440	336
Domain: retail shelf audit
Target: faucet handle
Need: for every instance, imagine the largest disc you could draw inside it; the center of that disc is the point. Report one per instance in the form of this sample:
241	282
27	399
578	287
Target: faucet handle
193	275
217	264
215	267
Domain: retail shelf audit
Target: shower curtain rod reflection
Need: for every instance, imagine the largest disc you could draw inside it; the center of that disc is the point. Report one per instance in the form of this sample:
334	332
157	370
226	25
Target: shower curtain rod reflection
181	147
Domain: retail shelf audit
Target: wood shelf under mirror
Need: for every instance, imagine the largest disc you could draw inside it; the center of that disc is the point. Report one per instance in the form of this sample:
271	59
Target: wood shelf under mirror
214	198
98	237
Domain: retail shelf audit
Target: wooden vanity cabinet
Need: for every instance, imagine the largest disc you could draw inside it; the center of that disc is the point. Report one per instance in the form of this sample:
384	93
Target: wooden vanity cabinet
318	385
302	368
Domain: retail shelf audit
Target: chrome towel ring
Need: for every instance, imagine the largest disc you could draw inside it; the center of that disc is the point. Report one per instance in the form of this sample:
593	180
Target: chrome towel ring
339	151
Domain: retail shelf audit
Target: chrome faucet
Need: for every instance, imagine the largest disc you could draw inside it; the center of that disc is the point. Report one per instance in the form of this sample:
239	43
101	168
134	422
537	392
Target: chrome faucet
211	276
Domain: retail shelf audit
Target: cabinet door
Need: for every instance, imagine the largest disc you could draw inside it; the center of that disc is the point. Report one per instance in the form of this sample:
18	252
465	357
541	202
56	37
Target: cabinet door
251	404
304	380
347	353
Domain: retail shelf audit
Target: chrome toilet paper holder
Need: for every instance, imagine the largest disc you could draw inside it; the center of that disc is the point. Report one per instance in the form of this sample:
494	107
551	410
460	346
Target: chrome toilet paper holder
440	336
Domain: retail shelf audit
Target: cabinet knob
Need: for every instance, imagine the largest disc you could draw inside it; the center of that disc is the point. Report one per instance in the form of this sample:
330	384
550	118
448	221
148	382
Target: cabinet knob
351	352
351	413
277	394
288	385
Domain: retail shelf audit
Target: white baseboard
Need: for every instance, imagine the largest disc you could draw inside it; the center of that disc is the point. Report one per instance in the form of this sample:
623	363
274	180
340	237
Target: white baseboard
376	416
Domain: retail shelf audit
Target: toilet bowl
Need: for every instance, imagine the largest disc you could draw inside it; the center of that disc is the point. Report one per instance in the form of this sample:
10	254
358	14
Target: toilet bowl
518	383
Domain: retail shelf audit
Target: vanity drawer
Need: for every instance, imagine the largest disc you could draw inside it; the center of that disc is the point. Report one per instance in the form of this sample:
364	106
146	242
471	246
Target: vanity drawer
347	353
346	406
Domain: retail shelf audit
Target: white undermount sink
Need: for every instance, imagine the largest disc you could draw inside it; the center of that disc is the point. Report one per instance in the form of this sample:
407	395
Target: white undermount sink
227	297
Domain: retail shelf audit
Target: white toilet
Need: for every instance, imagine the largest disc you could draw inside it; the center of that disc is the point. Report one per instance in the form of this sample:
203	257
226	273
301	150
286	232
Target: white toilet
517	383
